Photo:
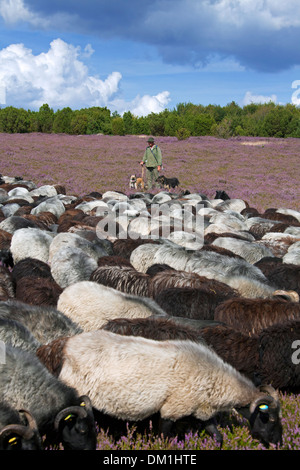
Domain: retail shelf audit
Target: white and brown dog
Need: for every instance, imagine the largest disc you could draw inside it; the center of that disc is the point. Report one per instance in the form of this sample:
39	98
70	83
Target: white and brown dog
137	183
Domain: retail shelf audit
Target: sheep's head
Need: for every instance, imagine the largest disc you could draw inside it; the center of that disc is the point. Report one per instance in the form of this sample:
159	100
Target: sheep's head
76	426
19	436
264	415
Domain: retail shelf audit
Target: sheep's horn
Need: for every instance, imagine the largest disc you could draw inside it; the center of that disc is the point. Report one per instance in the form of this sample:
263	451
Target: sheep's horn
270	397
32	424
267	388
25	431
81	410
289	295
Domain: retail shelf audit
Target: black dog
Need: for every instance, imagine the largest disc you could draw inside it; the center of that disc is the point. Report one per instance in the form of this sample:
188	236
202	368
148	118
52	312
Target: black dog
220	194
167	182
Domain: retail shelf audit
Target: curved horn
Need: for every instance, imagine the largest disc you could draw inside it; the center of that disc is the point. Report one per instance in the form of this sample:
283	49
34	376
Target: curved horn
26	431
86	401
288	295
260	400
267	388
13	428
77	410
270	396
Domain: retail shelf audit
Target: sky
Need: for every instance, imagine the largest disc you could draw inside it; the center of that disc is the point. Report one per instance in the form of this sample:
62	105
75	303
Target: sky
146	56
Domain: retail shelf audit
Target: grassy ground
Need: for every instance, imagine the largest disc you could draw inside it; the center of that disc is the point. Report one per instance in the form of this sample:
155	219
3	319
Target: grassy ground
265	172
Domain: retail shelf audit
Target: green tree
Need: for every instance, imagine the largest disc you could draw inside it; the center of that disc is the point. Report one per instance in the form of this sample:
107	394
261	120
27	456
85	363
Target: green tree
62	121
14	120
128	121
99	121
45	118
118	126
78	124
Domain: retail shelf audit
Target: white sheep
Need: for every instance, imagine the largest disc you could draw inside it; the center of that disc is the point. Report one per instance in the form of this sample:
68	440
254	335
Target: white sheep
91	305
132	378
250	251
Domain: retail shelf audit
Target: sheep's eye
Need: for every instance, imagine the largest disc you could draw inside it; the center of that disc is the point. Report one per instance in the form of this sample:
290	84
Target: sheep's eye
13	441
69	418
263	407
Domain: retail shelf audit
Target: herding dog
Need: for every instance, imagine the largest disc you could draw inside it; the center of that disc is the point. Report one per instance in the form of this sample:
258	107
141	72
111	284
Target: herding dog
137	183
168	182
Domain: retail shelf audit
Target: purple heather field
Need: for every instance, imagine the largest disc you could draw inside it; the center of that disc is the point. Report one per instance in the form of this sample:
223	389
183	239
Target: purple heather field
263	171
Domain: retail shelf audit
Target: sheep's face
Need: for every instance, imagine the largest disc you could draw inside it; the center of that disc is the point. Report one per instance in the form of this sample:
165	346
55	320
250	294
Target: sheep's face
265	422
78	433
76	426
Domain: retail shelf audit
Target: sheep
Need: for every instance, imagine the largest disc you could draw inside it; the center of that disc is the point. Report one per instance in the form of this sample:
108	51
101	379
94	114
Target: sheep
143	256
124	247
293	255
234	347
250	251
15	333
132	378
156	328
63	240
38	291
7	284
90	304
168	278
60	413
51	204
70	265
157	268
30	267
5	240
279	363
114	260
45	323
122	278
252	315
30	242
18	430
13	223
286	275
197	303
268	357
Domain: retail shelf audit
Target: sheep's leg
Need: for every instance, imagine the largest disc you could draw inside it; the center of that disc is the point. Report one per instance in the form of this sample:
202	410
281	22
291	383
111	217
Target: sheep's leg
211	427
165	426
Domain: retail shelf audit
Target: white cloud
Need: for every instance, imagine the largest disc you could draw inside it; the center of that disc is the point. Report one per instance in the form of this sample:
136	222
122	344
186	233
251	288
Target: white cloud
258	99
58	77
144	105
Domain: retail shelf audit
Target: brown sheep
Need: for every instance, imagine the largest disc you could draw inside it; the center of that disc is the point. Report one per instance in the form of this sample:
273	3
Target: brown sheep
253	315
123	278
175	278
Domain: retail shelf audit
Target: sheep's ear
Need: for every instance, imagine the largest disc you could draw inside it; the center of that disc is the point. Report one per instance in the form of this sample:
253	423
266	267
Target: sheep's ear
244	411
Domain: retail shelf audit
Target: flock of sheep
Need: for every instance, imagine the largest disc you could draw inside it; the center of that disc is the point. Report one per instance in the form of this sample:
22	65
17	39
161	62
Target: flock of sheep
194	315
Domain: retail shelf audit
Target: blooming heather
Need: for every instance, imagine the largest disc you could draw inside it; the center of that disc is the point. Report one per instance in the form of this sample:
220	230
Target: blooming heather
263	171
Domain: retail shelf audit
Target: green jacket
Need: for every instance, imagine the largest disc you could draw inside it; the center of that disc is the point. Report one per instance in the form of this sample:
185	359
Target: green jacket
149	156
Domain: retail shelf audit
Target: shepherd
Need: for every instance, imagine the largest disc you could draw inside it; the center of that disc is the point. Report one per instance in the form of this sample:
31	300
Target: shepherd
153	161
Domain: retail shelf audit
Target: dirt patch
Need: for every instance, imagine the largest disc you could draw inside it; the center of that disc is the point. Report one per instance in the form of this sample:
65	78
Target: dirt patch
261	142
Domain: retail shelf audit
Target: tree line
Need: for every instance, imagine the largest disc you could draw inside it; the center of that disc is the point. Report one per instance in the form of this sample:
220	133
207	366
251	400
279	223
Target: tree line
185	120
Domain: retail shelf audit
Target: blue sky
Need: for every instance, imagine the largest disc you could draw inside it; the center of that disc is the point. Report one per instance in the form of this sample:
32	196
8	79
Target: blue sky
145	56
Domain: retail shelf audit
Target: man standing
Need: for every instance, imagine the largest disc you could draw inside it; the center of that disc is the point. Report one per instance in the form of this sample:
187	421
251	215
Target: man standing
152	160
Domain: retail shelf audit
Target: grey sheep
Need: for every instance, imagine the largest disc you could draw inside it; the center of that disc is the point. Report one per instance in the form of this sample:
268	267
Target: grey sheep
60	413
18	430
45	323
